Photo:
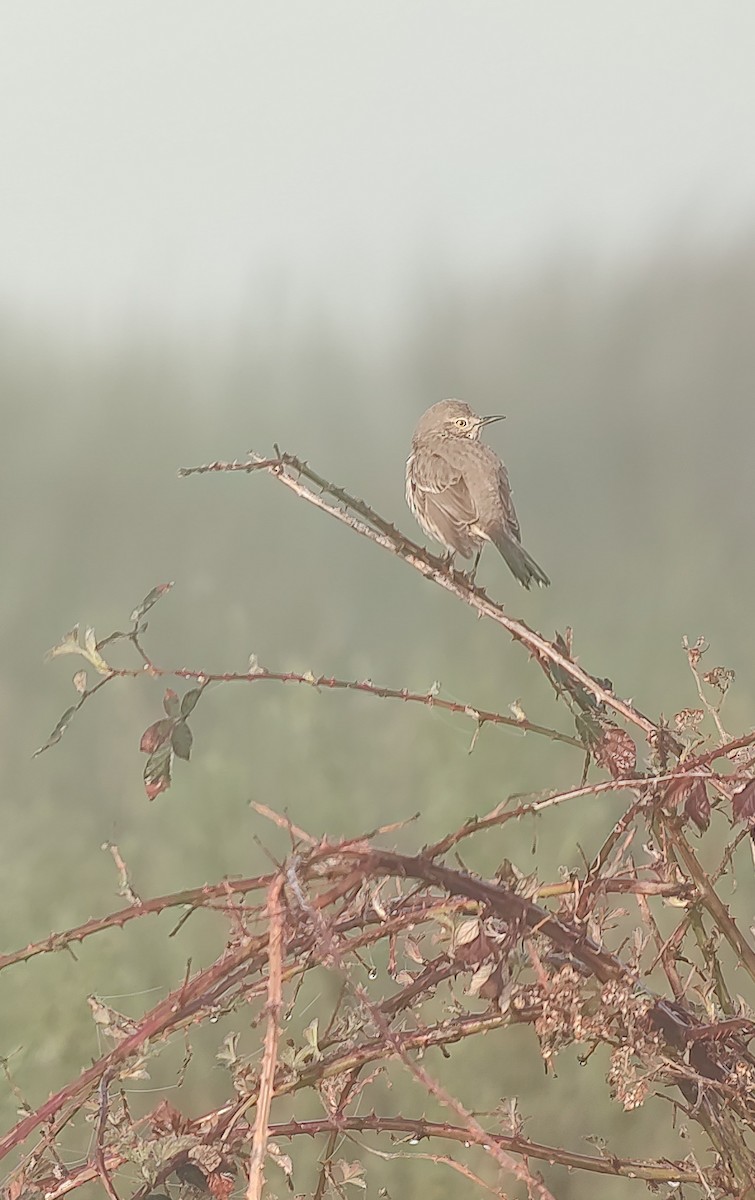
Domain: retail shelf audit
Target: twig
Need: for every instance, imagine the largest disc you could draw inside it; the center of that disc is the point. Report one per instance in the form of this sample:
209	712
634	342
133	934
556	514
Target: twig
441	1160
190	898
710	900
99	1150
365	686
270	1053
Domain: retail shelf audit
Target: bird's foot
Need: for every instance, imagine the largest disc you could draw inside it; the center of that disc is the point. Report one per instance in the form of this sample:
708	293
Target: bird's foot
472	574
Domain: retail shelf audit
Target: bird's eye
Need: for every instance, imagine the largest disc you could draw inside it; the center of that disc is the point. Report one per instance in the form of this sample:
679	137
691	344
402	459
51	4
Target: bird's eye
461	422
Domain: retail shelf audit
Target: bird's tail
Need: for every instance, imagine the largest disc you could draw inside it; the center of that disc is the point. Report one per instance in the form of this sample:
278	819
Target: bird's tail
520	563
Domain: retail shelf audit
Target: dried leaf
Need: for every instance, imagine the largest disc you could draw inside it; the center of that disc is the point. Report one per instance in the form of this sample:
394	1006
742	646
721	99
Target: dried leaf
697	805
688	719
71	644
137	1071
68	644
208	1157
111	1022
150	599
378	905
466	932
283	1161
695	653
167	1119
228	1052
405	978
528	886
92	654
480	977
310	1037
350	1173
220	1184
80	682
720	678
412	950
616	752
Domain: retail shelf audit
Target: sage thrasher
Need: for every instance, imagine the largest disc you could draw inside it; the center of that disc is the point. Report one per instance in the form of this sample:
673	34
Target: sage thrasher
459	490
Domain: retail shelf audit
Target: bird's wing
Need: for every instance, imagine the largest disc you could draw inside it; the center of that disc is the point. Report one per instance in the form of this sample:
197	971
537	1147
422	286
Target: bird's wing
512	521
442	473
442	483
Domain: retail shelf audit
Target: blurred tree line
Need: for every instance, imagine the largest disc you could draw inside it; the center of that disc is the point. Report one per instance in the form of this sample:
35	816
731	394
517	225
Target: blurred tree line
629	430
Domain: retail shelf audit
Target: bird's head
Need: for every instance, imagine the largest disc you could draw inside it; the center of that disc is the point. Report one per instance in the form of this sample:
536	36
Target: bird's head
452	418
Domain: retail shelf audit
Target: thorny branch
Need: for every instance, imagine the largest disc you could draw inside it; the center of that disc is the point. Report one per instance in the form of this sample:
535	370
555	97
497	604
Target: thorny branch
460	955
343	908
370	525
270	1052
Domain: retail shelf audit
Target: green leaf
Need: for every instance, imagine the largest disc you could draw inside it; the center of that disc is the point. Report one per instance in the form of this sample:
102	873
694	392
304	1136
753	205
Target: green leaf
157	772
58	731
589	730
150	599
189	702
182	741
171	703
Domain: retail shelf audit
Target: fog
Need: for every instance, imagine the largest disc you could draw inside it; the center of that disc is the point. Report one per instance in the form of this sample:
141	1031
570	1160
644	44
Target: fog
226	226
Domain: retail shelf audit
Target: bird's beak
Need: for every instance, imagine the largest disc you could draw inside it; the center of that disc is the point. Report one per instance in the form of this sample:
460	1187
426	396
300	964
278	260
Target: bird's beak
489	420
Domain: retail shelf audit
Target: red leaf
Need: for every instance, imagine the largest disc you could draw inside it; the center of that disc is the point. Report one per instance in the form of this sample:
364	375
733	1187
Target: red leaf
149	600
156	735
153	787
697	805
157	771
220	1184
743	803
616	752
167	1119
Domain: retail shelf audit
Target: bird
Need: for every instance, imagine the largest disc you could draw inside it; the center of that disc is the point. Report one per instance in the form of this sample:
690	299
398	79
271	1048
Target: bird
459	490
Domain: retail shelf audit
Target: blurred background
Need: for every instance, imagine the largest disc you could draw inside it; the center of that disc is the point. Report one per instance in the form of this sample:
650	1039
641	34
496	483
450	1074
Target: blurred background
225	226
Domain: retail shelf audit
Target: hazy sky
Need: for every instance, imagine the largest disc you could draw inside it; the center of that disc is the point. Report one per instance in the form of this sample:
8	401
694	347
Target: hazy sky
176	158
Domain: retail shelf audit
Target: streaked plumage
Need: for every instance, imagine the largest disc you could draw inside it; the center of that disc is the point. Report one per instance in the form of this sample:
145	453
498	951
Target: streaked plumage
459	490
